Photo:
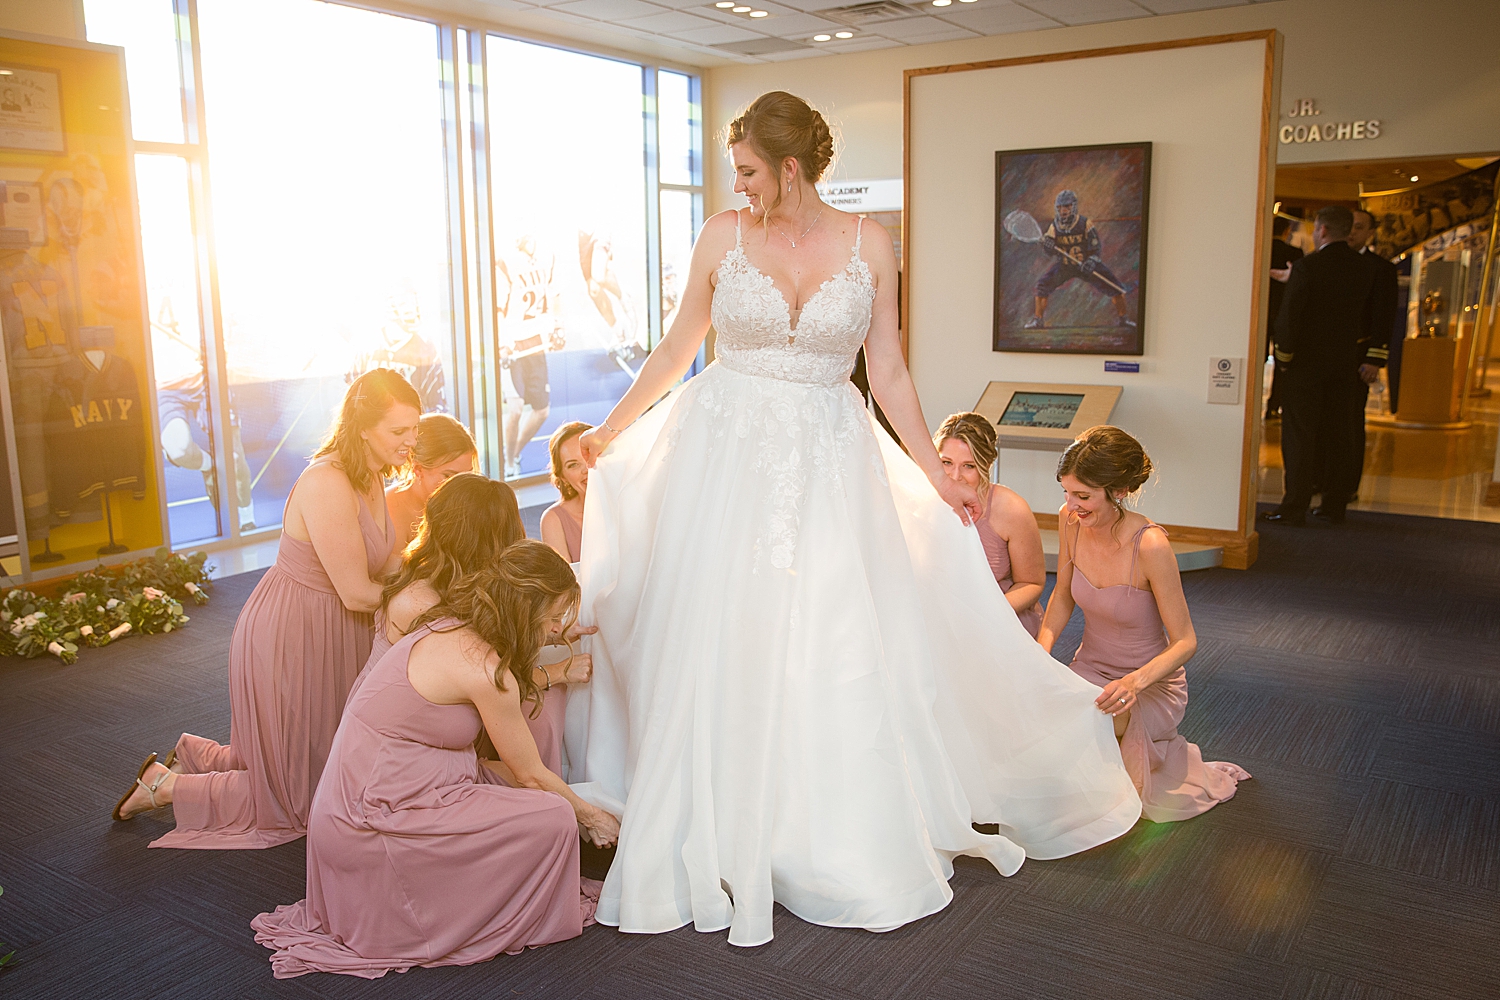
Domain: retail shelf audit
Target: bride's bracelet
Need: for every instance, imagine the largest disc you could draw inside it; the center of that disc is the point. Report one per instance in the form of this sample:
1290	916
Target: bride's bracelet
605	425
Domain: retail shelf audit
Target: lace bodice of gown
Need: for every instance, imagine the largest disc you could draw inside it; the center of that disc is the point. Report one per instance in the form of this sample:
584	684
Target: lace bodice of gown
754	325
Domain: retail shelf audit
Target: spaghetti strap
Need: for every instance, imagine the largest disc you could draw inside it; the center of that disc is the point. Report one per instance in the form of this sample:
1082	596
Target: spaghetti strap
859	234
736	229
1135	551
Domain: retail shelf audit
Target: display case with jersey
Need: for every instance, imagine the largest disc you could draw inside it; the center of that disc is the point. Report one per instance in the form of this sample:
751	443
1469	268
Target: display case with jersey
96	426
82	453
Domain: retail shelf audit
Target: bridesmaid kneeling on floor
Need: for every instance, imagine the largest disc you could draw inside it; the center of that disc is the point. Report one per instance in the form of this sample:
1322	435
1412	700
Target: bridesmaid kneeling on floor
562	523
968	447
1137	633
468	523
417	854
299	643
444	449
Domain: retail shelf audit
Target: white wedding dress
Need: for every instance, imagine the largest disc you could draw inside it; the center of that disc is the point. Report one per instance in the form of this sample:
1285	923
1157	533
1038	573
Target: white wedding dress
806	683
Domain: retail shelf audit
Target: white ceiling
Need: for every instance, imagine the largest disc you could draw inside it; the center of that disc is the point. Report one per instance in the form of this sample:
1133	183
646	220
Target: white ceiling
696	28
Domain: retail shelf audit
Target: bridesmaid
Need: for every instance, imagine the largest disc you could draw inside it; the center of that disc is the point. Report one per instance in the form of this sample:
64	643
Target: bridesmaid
967	446
416	853
562	523
469	522
444	448
300	641
1137	633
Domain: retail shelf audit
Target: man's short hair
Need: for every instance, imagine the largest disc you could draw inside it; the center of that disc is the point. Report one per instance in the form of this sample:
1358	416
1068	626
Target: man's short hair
1337	221
1279	225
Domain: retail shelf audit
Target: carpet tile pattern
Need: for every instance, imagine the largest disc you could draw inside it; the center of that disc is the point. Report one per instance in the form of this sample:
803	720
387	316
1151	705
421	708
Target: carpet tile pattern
1355	672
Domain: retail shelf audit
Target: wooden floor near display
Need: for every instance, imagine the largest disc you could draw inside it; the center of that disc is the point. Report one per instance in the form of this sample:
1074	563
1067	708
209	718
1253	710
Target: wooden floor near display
1355	673
1434	473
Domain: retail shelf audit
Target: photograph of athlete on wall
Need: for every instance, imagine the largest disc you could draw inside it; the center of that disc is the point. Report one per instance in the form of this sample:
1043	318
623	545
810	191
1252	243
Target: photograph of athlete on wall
1070	248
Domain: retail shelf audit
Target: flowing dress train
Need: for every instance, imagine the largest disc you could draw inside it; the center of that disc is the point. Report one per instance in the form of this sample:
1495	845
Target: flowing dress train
807	686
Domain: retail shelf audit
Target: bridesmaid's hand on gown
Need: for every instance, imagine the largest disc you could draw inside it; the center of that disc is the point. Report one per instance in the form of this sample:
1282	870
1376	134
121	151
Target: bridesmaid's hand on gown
599	828
591	445
580	670
962	498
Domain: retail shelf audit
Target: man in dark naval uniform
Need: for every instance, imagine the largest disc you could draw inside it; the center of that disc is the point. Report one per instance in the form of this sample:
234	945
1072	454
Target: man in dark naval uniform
1328	339
1076	254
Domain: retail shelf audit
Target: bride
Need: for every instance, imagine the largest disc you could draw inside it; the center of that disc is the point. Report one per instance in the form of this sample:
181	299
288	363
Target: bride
807	686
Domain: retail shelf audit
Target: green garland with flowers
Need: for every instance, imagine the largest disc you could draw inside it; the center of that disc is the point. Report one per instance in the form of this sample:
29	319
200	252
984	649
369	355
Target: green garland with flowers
103	605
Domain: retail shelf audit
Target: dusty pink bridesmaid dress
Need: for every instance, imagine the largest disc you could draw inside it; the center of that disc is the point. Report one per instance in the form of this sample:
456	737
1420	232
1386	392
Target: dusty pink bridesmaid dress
572	530
998	553
293	658
418	855
1122	631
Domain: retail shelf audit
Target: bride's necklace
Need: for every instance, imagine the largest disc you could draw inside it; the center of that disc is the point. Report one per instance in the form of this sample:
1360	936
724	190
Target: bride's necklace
804	232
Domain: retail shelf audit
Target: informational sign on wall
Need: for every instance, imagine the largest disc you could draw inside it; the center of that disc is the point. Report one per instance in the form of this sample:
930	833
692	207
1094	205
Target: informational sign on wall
1225	380
1305	107
863	196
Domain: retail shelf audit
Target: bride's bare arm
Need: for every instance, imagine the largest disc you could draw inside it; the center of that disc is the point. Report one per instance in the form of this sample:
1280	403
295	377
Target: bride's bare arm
671	358
891	382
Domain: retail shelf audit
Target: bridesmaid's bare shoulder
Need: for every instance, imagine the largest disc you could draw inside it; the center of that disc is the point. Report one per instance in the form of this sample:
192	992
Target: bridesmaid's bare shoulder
410	603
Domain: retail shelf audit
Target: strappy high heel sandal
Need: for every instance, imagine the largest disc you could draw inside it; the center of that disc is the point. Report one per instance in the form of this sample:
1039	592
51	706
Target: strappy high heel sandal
170	759
150	790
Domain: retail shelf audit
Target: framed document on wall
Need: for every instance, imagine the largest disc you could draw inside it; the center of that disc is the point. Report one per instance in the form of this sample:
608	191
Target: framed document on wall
30	109
1070	248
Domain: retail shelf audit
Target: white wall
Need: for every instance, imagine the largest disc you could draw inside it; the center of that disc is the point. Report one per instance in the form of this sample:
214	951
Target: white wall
59	18
1200	280
1428	70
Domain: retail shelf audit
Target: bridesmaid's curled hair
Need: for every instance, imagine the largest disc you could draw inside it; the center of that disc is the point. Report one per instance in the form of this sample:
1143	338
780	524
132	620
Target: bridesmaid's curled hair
1108	459
468	521
366	402
976	431
507	604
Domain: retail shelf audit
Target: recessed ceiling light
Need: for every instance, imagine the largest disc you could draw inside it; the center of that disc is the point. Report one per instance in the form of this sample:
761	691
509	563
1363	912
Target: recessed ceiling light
941	3
7	72
821	38
843	34
724	4
760	13
1413	178
740	10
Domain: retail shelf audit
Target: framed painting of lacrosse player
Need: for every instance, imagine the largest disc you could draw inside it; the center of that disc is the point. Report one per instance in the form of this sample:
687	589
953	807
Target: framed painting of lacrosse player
1070	248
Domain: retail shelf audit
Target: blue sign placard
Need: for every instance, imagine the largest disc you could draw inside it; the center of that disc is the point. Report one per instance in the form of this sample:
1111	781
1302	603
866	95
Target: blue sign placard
1122	366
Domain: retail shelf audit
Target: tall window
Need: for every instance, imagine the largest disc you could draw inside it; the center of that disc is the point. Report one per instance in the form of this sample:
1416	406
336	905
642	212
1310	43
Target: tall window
325	126
325	189
680	131
568	182
157	51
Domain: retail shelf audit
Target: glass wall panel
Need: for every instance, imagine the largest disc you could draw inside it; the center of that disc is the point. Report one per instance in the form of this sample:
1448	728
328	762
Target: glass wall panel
329	214
147	31
569	214
679	227
177	351
678	128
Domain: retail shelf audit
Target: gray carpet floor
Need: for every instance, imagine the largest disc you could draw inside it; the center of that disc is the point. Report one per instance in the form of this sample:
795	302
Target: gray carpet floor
1354	672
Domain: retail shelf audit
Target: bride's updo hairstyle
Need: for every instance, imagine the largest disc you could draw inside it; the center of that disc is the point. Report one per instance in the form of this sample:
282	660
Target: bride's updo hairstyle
780	127
978	433
1106	458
